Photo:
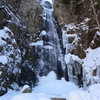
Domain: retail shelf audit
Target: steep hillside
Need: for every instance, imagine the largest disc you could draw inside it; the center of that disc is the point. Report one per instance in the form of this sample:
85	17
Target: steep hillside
20	24
81	33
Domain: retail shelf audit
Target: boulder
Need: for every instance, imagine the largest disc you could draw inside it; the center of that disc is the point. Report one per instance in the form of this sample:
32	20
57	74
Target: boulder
26	89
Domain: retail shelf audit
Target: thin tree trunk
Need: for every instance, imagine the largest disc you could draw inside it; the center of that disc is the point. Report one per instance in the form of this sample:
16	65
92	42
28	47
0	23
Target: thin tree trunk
71	5
95	14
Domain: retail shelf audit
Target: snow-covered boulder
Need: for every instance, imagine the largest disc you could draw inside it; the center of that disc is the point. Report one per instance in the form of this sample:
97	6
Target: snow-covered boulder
26	89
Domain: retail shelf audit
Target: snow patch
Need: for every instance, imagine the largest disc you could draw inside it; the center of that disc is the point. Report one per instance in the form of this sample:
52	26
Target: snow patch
37	43
43	33
55	87
98	33
3	59
25	87
26	96
69	57
78	95
92	57
48	47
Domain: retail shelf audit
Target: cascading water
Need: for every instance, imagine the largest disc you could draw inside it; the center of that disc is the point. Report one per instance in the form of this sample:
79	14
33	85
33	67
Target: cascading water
47	53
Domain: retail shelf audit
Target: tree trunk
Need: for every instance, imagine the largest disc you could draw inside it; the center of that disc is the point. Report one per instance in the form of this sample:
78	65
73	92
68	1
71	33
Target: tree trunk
95	15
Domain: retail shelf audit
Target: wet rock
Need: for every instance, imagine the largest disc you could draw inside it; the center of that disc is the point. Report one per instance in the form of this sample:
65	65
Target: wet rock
1	48
27	76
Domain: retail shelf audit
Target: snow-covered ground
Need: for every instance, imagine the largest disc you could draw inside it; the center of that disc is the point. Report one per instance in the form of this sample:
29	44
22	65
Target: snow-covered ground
49	87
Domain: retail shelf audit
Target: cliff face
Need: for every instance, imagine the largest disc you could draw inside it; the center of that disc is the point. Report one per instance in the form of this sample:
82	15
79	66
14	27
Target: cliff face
22	27
76	12
29	12
20	24
80	32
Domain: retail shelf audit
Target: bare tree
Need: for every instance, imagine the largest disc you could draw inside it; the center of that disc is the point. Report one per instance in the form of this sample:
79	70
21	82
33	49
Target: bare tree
95	14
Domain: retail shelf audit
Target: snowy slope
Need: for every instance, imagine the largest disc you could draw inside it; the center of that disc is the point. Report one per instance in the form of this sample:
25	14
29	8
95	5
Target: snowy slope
49	87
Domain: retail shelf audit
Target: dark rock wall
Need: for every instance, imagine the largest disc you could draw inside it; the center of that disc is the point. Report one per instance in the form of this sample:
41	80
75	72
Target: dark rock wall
24	22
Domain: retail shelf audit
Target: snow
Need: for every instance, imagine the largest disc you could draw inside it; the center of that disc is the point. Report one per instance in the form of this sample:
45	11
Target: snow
94	90
26	96
14	19
3	35
3	59
79	95
43	33
37	43
9	95
93	57
42	2
48	47
91	63
49	87
71	26
0	72
98	33
87	19
55	87
25	87
69	57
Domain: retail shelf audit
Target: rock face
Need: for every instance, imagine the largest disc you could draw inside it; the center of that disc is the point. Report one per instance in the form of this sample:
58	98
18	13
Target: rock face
78	21
10	59
22	27
30	12
63	13
20	24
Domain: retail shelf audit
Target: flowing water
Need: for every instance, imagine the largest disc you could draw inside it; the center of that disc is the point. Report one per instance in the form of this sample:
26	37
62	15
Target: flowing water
48	50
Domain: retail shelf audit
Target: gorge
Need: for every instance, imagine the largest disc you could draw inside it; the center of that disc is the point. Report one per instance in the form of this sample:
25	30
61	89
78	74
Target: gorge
39	36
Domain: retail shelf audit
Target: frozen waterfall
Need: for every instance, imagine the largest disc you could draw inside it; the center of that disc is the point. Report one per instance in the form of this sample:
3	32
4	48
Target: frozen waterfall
47	55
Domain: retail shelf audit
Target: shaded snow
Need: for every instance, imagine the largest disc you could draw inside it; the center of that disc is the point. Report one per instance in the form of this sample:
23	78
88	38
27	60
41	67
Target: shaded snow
91	67
9	95
92	57
37	43
98	33
55	87
3	59
69	57
3	35
79	95
8	47
91	63
25	87
43	33
26	96
49	87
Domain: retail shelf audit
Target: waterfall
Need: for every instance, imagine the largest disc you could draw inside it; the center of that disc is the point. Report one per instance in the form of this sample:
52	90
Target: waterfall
47	55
